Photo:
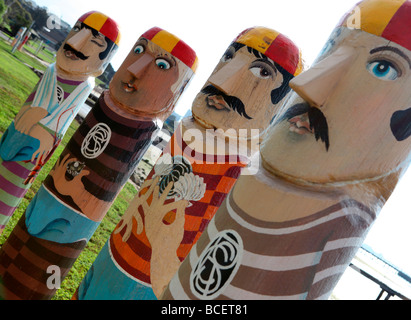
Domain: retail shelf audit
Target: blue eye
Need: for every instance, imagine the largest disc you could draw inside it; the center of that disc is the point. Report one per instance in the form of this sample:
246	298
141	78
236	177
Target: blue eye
383	70
139	49
163	64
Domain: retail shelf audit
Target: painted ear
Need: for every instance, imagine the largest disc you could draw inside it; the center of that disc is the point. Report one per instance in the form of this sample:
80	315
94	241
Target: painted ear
401	124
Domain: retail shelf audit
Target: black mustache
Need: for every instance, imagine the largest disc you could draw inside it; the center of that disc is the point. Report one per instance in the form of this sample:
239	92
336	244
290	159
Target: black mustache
76	53
233	102
318	122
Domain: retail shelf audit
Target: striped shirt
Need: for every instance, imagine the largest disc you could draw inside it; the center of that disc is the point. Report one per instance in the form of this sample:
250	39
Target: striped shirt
111	169
218	173
299	259
24	263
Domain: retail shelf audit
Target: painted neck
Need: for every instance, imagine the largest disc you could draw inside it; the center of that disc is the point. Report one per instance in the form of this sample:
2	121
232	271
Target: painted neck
110	102
70	76
216	142
268	198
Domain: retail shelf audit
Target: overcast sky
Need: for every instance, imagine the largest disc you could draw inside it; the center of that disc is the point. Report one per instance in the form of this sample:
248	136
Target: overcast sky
210	26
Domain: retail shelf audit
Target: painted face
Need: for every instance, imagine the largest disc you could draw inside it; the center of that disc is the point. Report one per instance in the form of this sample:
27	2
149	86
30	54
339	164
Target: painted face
349	118
238	93
80	53
146	80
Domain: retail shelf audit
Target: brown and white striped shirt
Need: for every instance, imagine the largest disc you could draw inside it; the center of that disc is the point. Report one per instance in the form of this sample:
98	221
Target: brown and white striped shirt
239	257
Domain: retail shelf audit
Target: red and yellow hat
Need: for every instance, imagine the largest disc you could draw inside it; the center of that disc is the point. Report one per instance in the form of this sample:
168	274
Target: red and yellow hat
178	48
275	46
103	24
389	19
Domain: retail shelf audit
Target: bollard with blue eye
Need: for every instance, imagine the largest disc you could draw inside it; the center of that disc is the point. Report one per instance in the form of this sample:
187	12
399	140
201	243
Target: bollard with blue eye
383	69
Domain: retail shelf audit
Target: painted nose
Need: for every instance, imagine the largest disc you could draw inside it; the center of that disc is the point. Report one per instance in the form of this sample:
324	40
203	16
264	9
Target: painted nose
230	76
79	40
139	67
317	83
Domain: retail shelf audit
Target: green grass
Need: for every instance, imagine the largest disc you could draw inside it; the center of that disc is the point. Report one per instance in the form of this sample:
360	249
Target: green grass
45	54
16	83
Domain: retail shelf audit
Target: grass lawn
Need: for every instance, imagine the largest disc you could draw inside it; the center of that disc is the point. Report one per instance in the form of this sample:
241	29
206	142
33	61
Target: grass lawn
43	54
16	83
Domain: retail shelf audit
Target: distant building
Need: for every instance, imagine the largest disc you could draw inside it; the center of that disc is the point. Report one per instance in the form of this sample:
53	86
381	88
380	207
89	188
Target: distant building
55	37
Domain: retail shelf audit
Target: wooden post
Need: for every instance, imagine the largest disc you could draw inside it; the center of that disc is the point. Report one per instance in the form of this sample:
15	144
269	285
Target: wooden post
41	123
95	165
26	38
197	168
18	36
327	167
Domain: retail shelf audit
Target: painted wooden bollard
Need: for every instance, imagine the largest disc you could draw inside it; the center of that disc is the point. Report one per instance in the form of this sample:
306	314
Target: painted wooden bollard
327	167
196	170
26	38
95	165
18	36
41	123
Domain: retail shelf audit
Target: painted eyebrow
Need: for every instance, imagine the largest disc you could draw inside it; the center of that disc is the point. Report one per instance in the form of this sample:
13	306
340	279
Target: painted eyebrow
267	61
262	57
392	49
142	40
168	55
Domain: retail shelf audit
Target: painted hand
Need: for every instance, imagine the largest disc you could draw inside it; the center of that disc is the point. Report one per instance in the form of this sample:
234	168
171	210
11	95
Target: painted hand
164	236
46	144
171	231
132	212
62	184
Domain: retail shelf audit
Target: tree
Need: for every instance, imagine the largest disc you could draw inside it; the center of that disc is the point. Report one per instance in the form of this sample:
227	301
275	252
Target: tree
3	9
39	14
17	16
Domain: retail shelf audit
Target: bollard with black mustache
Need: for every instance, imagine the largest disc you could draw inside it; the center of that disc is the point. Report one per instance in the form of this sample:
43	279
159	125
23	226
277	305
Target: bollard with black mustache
196	170
328	164
37	130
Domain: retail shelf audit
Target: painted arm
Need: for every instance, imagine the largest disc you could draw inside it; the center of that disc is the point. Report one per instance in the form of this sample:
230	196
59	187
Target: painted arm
28	117
26	122
164	238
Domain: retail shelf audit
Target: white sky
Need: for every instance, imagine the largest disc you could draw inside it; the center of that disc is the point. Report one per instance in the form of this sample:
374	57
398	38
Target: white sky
209	26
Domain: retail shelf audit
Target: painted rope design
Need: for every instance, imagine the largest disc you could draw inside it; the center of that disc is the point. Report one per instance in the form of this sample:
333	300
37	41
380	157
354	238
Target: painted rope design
217	265
96	141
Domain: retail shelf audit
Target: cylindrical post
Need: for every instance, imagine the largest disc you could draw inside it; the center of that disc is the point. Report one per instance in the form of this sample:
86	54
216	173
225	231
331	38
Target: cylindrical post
94	166
197	168
33	136
327	167
18	36
39	48
26	38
